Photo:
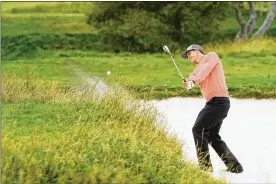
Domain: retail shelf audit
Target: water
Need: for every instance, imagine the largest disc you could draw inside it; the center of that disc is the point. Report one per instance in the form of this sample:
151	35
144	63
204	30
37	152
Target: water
249	131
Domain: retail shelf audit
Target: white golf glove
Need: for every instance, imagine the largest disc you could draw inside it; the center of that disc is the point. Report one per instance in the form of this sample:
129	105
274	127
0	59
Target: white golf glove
190	85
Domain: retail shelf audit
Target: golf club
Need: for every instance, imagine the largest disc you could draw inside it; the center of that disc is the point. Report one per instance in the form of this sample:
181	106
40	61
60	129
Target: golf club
166	49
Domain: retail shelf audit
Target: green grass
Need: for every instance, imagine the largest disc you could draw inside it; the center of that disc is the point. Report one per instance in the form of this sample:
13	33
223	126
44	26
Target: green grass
8	6
248	74
45	17
53	136
14	24
46	7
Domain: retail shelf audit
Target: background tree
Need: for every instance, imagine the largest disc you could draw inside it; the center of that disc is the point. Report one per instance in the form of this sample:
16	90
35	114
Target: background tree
147	26
246	28
267	22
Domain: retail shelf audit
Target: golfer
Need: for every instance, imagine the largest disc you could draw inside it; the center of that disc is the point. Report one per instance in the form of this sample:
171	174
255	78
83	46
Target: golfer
209	75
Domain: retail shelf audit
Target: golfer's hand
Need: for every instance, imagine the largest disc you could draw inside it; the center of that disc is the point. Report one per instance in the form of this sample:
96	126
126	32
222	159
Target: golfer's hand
188	84
185	84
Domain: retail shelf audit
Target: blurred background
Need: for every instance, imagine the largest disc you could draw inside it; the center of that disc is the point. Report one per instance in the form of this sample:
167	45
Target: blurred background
132	26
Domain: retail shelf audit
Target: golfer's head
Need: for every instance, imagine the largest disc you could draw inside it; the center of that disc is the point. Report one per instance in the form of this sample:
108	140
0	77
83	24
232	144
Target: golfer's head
193	53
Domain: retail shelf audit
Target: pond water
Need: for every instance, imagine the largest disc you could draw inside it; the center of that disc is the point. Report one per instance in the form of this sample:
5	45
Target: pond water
249	130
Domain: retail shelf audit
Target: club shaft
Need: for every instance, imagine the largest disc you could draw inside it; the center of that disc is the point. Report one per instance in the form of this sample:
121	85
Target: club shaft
178	69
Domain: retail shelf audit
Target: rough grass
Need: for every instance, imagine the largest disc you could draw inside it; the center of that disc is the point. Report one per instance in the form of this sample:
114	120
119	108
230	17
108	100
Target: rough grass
240	48
55	136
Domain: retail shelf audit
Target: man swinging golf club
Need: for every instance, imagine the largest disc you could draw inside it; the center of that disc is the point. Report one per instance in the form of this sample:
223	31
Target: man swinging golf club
209	75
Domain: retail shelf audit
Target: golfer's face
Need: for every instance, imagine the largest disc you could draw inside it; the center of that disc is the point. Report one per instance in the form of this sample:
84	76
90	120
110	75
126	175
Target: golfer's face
192	55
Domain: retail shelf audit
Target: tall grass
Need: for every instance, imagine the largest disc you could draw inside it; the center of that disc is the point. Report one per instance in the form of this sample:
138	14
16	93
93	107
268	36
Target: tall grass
263	46
83	139
15	89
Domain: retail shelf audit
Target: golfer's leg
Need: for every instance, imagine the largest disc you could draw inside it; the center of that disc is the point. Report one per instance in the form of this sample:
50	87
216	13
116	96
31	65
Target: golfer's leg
200	133
220	146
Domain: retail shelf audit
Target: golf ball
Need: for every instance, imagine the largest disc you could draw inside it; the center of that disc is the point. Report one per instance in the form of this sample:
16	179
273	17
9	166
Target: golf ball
108	72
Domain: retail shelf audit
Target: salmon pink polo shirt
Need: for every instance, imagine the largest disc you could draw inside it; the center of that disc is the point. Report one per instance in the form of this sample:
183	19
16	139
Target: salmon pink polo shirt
209	75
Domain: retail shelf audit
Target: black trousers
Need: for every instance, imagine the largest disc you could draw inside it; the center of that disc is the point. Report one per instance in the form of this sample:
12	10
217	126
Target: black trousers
206	130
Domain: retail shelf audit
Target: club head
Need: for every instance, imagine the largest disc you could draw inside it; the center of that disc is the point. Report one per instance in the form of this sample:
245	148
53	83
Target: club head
166	49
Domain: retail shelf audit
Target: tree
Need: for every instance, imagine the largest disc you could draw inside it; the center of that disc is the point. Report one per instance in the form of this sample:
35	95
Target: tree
267	22
246	28
147	26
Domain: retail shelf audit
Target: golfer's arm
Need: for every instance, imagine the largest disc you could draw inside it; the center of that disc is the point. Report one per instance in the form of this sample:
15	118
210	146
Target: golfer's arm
211	62
192	74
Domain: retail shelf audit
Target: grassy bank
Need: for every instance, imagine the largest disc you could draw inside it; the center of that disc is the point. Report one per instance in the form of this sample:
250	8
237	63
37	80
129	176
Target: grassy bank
53	136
